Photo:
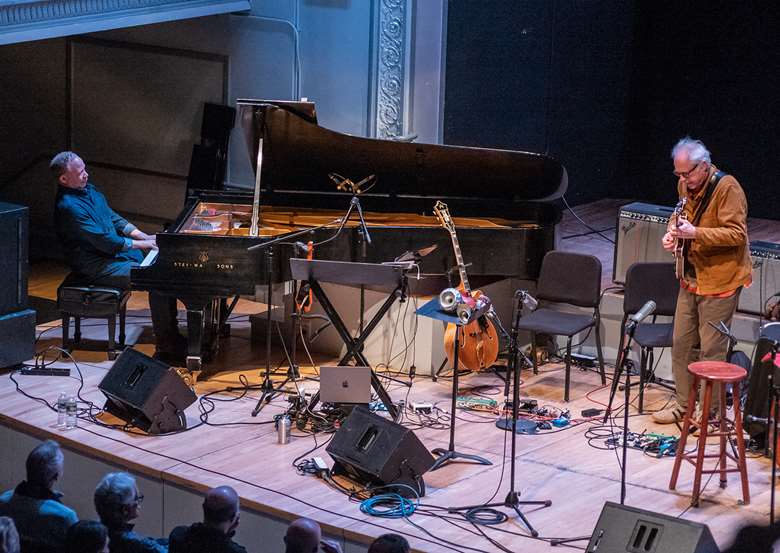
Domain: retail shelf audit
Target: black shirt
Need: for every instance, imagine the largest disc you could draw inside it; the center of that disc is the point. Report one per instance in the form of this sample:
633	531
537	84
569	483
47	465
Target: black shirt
200	538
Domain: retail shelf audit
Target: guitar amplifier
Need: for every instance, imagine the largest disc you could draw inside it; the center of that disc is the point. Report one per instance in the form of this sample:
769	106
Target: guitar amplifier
765	257
640	228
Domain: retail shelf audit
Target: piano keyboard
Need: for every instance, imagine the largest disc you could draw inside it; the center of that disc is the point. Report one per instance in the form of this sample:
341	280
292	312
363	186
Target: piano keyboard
150	257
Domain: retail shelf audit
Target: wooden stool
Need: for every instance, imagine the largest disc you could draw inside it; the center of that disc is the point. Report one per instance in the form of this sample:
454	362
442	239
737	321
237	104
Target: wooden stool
82	300
712	372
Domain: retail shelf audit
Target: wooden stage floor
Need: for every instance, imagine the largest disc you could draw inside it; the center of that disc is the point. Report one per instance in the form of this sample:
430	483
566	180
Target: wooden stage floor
576	473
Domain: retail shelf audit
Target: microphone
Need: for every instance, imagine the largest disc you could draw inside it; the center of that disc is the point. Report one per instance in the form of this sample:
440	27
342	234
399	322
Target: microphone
528	300
363	225
302	248
646	310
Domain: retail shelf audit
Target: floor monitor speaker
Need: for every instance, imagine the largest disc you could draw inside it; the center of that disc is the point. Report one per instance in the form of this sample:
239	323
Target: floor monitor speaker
623	529
146	393
375	451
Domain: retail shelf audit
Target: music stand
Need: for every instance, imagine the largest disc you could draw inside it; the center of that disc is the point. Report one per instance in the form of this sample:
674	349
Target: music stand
432	310
370	275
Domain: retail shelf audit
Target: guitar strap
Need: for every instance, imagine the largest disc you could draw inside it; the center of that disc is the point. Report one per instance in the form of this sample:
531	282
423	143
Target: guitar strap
705	202
700	209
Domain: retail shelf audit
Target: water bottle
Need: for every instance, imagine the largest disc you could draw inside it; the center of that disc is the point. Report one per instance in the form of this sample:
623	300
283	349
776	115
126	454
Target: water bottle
62	407
283	429
70	415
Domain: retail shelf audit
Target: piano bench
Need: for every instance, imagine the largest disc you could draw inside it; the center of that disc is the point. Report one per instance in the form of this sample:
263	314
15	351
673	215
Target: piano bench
86	301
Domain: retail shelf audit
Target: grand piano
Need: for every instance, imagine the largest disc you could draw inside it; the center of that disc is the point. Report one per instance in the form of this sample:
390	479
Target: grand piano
501	202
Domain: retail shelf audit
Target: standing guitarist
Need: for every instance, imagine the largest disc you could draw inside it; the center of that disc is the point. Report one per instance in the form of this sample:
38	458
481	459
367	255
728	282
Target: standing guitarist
716	261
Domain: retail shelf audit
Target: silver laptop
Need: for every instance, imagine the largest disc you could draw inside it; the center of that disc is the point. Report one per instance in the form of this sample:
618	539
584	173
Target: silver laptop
345	384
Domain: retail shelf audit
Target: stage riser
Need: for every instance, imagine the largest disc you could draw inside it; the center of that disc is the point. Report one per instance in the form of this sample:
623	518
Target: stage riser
166	505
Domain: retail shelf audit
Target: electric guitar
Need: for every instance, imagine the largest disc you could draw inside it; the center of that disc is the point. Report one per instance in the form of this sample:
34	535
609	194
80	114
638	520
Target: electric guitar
478	342
678	215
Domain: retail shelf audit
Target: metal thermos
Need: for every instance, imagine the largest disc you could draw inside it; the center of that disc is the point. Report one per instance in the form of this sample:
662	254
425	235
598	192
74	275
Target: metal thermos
283	426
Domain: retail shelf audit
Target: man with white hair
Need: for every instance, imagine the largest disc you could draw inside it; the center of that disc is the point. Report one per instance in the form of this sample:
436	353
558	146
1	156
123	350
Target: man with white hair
117	502
717	266
41	519
101	247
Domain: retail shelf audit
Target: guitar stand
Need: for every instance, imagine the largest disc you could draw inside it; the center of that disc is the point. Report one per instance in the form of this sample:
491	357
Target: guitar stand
366	274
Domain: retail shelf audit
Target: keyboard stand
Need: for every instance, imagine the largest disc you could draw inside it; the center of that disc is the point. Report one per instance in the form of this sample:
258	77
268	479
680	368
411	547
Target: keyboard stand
370	275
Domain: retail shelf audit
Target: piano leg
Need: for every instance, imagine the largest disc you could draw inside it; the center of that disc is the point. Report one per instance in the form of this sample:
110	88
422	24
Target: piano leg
203	318
195	329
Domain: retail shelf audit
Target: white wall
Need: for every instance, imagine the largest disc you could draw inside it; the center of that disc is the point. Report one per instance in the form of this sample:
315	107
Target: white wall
335	37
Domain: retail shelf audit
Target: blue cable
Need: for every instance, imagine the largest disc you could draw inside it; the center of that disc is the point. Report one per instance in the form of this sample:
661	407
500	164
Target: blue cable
389	505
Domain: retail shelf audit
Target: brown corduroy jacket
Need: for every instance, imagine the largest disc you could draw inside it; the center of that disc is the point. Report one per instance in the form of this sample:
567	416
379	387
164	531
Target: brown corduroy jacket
720	253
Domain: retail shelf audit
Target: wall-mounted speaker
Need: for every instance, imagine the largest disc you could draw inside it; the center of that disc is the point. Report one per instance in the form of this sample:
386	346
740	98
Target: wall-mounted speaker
146	393
375	451
623	529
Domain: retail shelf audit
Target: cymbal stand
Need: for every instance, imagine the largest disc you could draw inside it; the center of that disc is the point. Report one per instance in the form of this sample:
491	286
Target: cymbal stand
512	500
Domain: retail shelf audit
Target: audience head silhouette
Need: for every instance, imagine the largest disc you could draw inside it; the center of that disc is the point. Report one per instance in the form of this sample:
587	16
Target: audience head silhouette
117	500
87	536
389	543
45	465
303	536
221	509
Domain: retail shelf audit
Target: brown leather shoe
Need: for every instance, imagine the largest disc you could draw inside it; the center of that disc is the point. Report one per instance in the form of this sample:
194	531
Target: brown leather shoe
672	414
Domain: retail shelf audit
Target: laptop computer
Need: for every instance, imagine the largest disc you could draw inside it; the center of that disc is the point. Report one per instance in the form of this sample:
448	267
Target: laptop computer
345	384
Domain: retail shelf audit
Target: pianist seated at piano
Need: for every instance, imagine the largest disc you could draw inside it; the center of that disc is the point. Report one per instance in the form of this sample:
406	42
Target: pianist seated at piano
101	246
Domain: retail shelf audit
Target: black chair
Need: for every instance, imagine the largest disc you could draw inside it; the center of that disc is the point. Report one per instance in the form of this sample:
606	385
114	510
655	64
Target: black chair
574	279
78	299
645	282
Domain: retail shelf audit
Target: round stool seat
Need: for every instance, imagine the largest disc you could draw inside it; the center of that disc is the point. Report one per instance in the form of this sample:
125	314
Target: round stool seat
719	371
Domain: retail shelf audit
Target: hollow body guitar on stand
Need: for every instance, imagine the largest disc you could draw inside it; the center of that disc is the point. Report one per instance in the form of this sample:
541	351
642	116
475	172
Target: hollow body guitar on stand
678	215
478	343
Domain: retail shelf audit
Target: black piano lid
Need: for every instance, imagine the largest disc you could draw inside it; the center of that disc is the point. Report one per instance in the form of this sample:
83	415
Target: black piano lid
298	154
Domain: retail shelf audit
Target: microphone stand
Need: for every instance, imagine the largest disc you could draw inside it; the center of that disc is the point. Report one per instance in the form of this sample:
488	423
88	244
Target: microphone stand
267	386
512	500
365	239
622	356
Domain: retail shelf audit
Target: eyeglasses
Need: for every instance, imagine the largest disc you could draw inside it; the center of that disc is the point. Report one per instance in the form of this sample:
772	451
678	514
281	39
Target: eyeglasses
686	174
139	499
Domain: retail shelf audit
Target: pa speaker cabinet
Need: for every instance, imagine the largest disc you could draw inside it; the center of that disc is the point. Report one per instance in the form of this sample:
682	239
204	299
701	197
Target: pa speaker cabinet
765	257
375	451
623	529
640	228
146	393
13	257
17	337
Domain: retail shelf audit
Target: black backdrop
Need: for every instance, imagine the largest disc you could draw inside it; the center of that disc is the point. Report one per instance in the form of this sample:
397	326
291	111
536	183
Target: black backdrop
608	86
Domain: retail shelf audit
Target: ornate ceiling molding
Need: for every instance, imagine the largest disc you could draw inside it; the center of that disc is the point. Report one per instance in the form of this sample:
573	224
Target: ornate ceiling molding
22	21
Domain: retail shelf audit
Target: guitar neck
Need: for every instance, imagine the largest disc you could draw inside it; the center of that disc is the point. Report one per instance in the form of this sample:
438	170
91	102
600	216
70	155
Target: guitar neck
459	259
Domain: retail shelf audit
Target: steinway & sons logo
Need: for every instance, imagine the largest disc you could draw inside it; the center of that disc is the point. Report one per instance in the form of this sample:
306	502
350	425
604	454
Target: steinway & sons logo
203	257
